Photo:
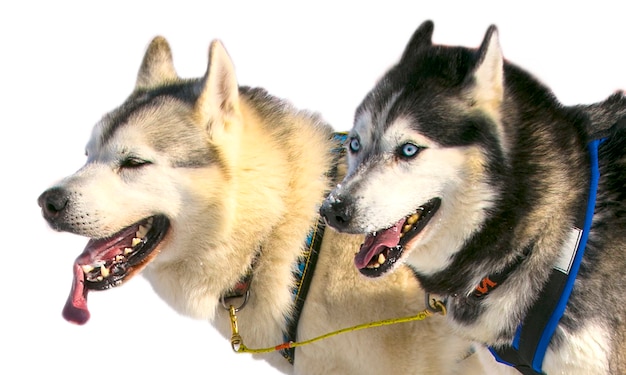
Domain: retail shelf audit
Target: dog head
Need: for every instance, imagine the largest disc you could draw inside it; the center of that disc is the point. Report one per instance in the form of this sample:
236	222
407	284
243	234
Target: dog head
158	154
423	143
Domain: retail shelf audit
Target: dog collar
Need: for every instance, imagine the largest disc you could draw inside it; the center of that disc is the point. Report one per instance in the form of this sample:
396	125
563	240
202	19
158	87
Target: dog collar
533	335
492	281
304	269
302	279
241	288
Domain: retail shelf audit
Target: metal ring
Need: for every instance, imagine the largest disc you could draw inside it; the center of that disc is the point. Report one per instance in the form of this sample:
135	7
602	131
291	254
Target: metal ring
245	301
434	305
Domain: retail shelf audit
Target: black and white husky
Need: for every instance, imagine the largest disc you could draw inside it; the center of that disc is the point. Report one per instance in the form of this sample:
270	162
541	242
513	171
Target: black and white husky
509	206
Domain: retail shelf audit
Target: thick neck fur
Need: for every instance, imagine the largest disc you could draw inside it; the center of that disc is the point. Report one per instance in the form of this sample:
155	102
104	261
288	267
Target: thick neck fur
290	197
537	201
289	181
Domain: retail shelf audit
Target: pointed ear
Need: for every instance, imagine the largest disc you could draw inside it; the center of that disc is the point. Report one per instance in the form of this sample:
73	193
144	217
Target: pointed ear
422	37
217	106
488	74
157	66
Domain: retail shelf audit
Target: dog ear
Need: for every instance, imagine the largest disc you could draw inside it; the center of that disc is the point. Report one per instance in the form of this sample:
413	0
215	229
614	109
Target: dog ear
488	74
217	106
157	66
422	37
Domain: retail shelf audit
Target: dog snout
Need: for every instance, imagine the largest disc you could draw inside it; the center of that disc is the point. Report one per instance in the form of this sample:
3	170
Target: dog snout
337	214
53	202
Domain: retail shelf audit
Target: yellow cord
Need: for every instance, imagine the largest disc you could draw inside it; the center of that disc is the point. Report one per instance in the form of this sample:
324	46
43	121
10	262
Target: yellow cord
239	347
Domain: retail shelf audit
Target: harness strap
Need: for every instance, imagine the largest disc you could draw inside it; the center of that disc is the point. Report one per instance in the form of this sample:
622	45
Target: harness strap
306	264
527	351
303	276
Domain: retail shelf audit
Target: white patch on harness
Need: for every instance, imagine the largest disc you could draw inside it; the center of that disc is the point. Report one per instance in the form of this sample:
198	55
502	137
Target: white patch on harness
568	251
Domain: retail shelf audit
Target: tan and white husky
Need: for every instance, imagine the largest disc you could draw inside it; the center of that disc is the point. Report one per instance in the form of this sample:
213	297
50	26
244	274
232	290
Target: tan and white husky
211	190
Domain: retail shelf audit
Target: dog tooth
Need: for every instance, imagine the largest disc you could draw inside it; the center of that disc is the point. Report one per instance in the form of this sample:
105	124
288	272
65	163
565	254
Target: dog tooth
99	278
87	268
141	233
151	220
412	219
381	258
105	272
128	250
406	228
136	241
119	258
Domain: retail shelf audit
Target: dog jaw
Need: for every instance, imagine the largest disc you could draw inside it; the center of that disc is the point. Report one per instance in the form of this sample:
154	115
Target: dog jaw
382	249
109	262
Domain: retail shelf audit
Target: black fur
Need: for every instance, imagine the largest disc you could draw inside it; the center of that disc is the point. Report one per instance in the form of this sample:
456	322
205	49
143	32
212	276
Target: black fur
535	139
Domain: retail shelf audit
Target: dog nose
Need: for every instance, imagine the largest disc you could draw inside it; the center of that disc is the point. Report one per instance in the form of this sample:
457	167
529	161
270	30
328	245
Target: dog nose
52	202
336	213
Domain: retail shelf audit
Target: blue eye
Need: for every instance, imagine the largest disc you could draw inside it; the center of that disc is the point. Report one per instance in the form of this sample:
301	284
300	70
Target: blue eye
354	145
409	150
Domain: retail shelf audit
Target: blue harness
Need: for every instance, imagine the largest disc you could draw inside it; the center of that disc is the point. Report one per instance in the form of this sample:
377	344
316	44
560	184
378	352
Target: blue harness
527	351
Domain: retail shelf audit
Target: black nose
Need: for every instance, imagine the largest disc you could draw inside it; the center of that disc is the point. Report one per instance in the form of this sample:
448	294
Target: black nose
337	213
53	202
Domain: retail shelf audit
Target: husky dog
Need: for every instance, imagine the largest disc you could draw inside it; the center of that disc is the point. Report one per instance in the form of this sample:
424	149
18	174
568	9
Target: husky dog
509	206
211	190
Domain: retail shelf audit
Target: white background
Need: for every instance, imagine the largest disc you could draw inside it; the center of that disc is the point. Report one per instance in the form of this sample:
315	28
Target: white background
65	64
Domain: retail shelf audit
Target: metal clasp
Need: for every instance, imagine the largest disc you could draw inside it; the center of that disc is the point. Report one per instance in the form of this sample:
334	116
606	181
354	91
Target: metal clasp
434	305
237	309
235	339
236	342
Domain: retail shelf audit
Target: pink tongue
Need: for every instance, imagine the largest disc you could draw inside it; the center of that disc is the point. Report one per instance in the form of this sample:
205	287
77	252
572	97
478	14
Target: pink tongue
75	310
375	243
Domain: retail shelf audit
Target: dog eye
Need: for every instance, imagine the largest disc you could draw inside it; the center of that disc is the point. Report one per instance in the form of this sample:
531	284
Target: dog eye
409	150
133	162
354	144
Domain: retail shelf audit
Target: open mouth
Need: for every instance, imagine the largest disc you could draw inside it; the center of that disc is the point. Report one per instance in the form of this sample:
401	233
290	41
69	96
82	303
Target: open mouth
108	262
383	248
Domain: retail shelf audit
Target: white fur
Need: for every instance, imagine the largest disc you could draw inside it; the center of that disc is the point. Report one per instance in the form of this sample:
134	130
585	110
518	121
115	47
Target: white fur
263	202
580	353
395	188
